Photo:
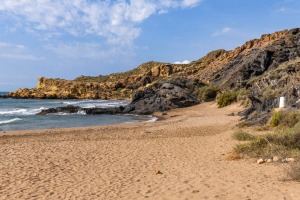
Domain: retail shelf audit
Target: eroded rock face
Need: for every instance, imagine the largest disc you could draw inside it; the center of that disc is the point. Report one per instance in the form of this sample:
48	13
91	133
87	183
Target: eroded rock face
162	96
225	69
64	89
282	81
257	57
267	68
259	111
266	89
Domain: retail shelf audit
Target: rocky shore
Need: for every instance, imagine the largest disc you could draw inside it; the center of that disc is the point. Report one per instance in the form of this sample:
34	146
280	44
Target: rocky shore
260	71
162	96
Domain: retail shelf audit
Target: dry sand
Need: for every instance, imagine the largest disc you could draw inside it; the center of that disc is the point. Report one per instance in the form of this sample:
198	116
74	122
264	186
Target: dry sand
189	148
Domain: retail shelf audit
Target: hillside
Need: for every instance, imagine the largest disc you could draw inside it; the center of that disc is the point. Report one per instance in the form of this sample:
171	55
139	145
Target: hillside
252	66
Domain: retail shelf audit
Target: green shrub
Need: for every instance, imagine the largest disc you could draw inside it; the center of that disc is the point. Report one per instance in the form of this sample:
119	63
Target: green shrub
290	119
275	119
284	119
243	136
207	93
226	99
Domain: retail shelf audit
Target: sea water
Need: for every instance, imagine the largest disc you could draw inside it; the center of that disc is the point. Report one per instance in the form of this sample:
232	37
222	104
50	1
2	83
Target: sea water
20	114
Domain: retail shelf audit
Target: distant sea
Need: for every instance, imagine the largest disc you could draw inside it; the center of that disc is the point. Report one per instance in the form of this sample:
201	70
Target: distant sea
19	114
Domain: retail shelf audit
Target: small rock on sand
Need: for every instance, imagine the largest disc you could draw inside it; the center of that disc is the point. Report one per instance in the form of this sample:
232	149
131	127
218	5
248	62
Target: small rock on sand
290	159
260	161
275	158
269	160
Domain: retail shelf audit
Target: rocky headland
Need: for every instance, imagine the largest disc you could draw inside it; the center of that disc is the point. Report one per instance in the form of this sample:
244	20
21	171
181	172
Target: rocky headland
259	72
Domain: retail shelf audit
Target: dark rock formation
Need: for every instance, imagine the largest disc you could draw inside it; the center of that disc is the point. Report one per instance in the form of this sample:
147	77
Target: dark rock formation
99	111
225	69
267	88
262	55
268	67
162	96
259	111
67	109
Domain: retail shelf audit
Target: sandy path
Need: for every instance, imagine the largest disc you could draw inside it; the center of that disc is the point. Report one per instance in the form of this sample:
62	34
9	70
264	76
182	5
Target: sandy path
119	162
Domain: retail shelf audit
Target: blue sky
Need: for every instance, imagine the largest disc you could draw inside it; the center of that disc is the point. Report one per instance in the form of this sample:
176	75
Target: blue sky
66	39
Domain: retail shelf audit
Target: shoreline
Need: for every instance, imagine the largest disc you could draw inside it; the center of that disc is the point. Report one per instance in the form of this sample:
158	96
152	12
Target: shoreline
182	156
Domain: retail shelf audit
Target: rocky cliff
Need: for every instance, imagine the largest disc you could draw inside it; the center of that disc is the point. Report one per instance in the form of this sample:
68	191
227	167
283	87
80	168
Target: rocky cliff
252	66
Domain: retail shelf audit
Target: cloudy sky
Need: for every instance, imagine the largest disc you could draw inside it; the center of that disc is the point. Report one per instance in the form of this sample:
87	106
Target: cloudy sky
66	39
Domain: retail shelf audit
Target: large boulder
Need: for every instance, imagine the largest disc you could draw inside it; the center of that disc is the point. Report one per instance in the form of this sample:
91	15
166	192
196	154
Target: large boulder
163	96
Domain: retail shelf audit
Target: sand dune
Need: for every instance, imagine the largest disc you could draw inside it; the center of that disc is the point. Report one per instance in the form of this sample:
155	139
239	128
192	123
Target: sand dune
188	147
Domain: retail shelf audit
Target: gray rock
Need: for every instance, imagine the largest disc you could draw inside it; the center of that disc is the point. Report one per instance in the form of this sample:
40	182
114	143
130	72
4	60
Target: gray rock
164	95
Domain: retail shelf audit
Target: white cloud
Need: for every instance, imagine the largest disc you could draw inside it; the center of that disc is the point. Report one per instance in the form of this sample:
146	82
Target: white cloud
16	52
183	62
4	45
224	31
86	50
21	57
286	10
117	21
190	3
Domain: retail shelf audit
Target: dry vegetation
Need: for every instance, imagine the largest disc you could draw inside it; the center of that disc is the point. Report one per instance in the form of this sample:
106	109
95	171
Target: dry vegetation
284	142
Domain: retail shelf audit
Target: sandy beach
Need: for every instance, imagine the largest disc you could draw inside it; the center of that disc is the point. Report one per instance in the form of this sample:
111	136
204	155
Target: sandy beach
182	156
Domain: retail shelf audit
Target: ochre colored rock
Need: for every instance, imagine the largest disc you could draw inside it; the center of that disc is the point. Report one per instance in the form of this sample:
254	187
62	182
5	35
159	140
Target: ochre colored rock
228	70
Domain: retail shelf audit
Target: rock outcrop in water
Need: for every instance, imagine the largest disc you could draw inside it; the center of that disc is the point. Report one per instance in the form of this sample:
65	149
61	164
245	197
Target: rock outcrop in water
162	96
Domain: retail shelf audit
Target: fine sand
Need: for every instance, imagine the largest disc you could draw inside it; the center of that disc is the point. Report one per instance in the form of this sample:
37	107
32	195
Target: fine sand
182	156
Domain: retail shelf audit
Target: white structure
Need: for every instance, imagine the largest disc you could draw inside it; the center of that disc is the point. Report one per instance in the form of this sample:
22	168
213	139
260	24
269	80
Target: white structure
282	102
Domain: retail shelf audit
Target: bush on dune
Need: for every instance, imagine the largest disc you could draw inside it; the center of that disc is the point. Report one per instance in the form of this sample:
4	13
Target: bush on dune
226	99
285	142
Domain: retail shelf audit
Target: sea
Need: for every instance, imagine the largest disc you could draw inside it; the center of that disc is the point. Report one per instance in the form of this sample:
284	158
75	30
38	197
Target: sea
20	114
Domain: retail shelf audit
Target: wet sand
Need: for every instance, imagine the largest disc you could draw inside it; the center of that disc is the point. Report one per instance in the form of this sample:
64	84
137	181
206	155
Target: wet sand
182	156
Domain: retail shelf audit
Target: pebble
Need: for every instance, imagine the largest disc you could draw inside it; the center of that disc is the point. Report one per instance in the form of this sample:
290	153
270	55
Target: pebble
269	160
260	161
275	158
283	161
158	172
290	159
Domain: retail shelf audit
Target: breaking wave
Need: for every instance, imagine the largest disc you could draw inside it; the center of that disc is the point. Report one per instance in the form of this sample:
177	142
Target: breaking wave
10	121
21	111
96	103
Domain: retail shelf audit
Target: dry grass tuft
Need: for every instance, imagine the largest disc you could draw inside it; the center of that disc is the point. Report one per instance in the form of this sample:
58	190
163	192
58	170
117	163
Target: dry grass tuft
233	156
294	172
284	142
241	135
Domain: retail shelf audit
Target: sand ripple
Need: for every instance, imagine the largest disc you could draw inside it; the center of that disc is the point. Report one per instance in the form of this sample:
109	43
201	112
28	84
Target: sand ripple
120	162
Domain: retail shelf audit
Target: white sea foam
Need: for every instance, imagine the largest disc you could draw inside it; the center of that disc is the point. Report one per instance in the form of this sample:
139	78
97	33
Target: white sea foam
96	103
13	112
81	112
77	102
22	111
153	119
10	121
